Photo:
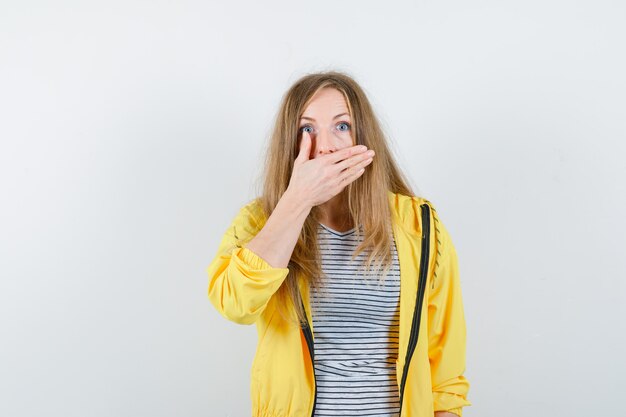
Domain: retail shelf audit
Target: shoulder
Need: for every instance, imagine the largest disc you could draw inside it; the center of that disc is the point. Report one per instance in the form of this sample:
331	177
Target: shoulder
249	218
254	209
408	209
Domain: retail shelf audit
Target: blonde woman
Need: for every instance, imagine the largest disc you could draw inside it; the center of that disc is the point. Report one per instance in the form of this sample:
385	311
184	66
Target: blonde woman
352	280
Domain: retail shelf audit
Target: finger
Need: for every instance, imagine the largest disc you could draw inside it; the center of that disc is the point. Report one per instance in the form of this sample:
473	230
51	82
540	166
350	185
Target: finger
345	153
352	173
305	148
361	159
352	176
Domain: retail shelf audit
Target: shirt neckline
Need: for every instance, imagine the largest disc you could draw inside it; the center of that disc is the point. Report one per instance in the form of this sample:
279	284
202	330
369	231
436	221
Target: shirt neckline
335	232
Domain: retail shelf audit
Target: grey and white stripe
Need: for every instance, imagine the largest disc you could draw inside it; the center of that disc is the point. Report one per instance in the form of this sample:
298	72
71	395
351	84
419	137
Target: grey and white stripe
356	326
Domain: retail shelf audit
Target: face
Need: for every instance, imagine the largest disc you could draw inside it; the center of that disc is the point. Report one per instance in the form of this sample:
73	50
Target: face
327	121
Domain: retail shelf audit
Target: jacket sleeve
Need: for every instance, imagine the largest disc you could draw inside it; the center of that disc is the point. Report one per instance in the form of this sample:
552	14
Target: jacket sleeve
241	283
446	327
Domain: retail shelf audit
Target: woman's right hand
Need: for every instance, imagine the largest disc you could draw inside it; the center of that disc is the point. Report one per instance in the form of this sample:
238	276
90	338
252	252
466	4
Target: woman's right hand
320	179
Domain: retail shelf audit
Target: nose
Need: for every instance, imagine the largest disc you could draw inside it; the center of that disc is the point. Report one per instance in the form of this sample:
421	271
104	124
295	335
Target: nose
325	143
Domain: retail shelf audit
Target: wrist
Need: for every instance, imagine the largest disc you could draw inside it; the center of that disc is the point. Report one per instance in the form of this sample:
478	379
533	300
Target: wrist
296	202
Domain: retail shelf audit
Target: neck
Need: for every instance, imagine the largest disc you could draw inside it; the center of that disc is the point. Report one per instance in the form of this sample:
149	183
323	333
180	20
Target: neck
335	212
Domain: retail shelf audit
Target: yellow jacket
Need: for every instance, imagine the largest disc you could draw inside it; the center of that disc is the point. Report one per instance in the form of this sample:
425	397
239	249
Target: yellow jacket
431	356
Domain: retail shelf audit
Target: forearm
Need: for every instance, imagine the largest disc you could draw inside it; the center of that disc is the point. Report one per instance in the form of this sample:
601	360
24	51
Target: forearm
278	237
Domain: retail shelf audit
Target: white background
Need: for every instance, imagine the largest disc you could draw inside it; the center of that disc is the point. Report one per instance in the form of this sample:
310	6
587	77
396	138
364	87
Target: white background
131	134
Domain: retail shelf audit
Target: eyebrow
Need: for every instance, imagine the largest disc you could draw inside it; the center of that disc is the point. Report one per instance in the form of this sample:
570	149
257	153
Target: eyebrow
339	115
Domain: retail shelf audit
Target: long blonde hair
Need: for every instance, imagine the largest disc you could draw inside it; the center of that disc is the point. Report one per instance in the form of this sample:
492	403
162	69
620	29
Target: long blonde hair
367	196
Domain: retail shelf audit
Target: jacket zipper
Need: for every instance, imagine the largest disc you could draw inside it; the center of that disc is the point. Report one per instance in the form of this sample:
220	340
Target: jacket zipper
308	335
415	326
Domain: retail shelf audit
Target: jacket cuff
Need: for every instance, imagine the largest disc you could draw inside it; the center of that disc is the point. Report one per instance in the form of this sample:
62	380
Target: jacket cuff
456	411
453	403
253	260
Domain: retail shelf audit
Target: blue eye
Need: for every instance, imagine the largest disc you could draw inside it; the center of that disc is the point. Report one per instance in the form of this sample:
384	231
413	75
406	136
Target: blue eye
305	127
345	124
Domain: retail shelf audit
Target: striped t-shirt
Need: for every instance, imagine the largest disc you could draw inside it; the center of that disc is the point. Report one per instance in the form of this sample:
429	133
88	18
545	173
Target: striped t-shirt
356	326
